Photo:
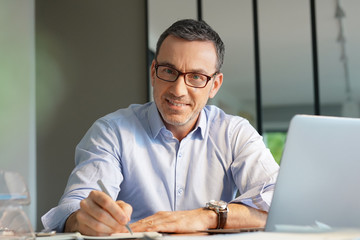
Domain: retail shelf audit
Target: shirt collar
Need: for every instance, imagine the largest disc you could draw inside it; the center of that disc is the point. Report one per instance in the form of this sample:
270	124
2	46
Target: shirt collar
156	123
201	124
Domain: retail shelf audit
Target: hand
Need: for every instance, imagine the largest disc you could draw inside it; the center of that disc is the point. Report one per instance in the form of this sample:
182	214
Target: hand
99	215
177	222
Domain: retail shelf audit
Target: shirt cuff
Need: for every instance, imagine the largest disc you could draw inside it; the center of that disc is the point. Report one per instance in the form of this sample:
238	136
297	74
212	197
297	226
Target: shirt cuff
55	219
257	199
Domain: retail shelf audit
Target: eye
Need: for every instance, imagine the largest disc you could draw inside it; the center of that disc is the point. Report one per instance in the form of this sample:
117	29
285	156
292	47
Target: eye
196	77
167	70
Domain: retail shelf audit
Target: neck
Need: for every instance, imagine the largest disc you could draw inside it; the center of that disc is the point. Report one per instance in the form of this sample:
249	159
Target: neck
179	132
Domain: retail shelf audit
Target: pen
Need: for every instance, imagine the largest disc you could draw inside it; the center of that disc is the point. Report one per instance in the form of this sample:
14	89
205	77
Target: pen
103	188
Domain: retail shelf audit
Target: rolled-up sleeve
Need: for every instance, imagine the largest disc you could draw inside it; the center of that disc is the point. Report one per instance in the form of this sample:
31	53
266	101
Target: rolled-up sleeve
55	219
96	158
254	169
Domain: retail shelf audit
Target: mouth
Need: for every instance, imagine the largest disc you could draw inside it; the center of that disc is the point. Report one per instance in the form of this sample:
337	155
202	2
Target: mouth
176	104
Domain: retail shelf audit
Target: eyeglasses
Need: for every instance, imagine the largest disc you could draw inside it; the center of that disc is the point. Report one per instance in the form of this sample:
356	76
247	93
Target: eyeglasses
192	79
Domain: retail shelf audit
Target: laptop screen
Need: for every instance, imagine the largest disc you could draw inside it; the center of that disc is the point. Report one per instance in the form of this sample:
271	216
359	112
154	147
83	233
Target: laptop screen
319	178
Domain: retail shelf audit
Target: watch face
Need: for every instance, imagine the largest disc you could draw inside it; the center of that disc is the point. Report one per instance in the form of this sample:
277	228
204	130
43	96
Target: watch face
219	204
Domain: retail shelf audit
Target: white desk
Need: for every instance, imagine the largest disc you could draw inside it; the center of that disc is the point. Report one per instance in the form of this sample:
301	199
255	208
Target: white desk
334	235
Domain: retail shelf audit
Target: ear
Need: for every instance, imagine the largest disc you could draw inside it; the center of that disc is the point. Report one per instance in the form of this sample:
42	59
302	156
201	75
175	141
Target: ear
216	85
152	72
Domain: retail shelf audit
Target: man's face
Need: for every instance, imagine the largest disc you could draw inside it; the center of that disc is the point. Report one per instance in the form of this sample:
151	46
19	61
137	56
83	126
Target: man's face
179	104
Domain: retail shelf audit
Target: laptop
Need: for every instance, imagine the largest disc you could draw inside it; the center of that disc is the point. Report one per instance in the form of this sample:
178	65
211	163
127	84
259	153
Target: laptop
319	180
318	186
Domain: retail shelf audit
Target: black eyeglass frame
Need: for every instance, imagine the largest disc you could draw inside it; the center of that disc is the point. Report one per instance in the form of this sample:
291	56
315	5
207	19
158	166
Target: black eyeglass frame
208	78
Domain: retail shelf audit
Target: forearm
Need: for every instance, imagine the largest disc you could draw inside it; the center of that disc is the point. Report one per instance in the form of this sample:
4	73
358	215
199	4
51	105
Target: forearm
241	215
200	219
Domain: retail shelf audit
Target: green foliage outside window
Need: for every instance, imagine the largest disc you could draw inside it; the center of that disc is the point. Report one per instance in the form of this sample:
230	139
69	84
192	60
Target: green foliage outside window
275	141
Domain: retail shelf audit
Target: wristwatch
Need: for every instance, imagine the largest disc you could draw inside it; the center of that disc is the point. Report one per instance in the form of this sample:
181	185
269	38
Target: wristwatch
221	209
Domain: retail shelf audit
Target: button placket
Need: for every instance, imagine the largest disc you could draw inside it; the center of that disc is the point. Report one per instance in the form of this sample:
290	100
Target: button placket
180	174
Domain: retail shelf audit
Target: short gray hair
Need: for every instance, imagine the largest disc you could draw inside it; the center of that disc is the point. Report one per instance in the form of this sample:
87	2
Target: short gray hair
193	30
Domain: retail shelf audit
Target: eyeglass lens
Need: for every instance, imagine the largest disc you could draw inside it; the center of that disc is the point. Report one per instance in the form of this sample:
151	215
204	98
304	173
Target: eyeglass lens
192	79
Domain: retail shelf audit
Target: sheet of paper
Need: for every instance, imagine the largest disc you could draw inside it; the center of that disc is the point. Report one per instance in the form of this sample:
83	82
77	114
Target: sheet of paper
78	236
127	235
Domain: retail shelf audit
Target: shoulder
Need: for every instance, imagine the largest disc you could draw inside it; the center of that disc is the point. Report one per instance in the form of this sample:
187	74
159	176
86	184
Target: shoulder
123	115
233	126
216	116
132	110
124	118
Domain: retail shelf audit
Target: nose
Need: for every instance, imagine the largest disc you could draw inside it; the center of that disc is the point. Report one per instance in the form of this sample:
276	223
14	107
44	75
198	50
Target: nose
179	88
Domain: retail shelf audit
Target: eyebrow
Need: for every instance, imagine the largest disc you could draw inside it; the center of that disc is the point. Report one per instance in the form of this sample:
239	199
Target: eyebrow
199	70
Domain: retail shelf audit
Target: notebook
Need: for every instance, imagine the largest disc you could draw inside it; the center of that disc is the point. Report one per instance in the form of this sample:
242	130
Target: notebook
318	186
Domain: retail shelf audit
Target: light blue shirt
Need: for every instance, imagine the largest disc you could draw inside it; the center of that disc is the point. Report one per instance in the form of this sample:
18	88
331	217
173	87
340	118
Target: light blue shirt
143	164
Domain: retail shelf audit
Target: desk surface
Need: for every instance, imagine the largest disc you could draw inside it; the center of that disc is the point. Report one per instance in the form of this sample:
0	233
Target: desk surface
332	235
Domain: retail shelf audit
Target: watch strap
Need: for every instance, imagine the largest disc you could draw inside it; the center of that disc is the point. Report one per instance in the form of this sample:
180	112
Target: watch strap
221	210
222	217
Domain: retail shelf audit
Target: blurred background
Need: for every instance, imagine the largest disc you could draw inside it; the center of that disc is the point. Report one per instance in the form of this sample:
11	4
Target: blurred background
65	63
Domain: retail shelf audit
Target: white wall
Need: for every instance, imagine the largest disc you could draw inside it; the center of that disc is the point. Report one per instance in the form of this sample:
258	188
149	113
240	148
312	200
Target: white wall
17	93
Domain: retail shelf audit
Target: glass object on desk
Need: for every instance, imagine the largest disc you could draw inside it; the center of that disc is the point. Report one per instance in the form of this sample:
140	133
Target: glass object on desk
14	223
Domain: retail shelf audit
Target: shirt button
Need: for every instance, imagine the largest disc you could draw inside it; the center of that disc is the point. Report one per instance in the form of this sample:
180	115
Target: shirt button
180	191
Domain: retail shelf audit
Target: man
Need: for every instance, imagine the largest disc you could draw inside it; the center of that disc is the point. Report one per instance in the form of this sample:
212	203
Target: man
162	161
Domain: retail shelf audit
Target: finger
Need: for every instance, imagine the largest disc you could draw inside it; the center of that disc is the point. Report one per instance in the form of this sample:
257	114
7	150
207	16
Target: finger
141	226
92	206
90	226
159	218
153	226
150	223
166	222
113	208
126	208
